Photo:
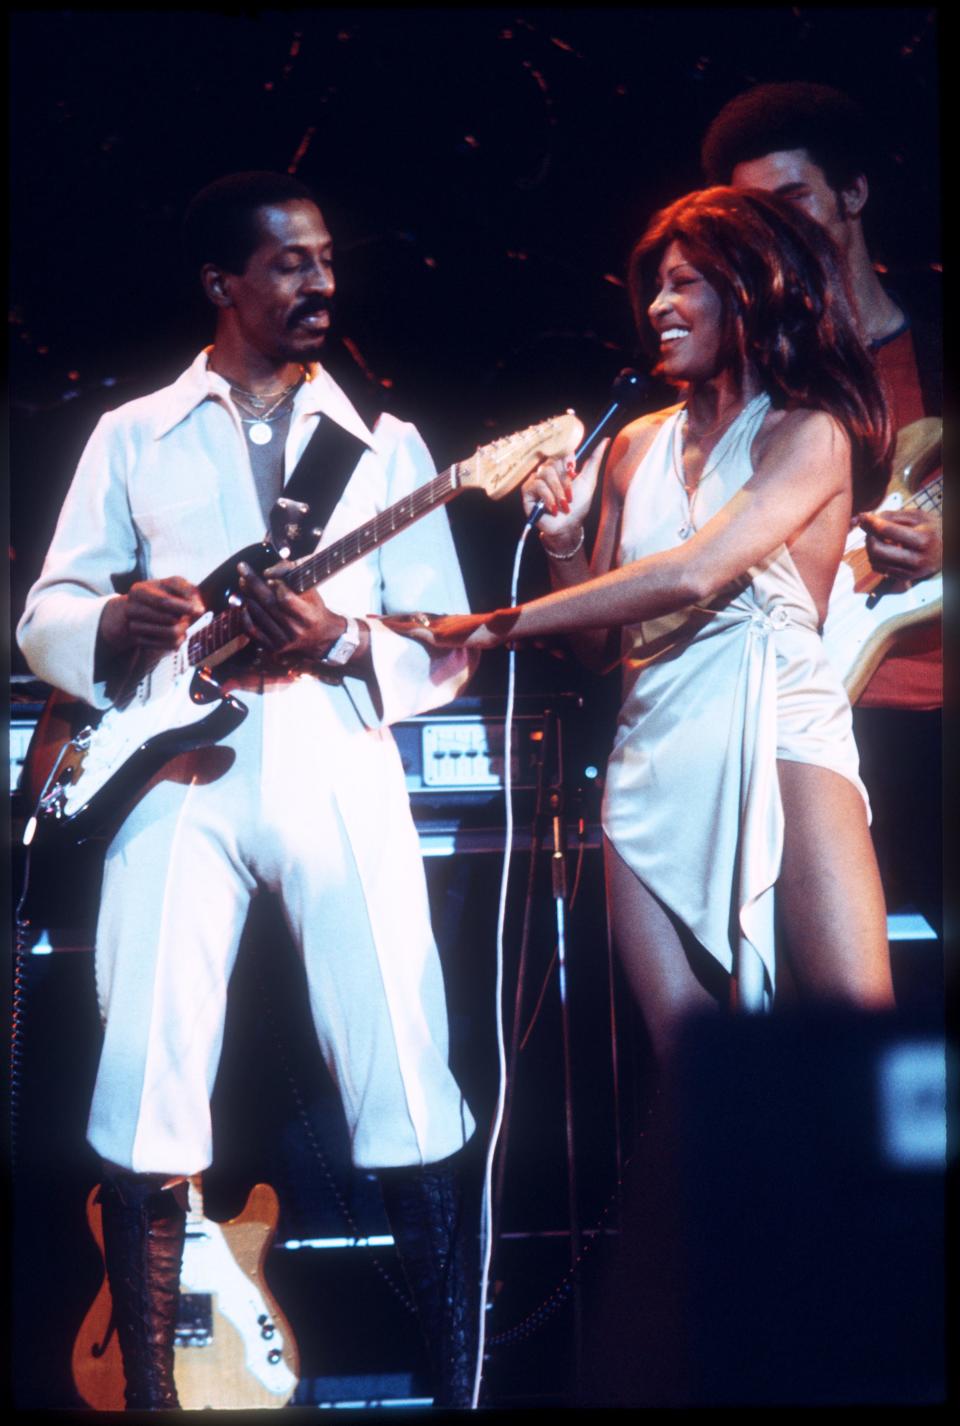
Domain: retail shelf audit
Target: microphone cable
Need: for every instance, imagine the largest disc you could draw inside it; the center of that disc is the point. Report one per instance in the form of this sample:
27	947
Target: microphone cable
486	1218
630	389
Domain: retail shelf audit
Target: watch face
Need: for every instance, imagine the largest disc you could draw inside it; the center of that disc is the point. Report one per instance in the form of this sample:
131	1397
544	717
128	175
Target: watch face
342	650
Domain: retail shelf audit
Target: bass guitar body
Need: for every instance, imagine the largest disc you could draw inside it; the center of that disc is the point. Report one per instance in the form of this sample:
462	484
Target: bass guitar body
867	614
234	1350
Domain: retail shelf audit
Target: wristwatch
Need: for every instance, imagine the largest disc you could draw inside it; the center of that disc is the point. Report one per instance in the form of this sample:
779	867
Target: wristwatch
342	650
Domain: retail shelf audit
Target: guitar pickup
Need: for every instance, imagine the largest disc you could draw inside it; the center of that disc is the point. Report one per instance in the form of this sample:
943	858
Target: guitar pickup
194	1320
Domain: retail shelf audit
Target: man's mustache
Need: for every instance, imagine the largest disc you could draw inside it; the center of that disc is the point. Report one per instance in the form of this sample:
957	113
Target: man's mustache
308	307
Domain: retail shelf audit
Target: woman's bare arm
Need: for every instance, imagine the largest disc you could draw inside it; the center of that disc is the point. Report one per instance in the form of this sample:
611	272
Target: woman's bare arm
562	528
804	467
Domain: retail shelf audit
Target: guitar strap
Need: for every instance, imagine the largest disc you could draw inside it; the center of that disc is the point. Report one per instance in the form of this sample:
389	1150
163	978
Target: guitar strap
321	474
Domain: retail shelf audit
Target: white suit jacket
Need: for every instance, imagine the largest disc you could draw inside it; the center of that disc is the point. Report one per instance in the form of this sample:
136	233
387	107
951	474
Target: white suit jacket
164	487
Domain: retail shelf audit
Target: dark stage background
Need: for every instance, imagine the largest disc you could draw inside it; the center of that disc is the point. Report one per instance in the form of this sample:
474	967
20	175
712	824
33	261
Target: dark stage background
485	173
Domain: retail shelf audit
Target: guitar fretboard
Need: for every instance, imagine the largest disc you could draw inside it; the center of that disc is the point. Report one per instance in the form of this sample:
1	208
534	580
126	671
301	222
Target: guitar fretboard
929	498
227	626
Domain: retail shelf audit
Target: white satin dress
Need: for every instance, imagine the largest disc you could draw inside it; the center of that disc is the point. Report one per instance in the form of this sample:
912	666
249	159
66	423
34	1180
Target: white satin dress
712	698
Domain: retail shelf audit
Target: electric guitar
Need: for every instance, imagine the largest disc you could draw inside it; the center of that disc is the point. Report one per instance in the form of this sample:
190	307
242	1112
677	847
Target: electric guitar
233	1349
79	777
865	616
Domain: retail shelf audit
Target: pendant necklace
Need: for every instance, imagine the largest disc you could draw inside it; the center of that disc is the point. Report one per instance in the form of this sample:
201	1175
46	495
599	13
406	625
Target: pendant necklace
258	422
690	489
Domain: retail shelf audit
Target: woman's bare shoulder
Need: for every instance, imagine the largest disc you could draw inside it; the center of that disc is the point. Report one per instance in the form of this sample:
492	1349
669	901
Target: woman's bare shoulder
633	442
801	426
802	437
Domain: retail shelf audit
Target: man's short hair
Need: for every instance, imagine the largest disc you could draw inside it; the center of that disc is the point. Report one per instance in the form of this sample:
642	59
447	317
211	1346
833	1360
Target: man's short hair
219	226
770	118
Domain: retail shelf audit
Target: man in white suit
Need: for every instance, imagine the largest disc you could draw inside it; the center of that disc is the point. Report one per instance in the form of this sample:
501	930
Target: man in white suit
306	797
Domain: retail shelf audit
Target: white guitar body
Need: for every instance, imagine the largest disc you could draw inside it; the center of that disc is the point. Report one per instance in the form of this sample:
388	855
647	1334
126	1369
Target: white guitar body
864	618
174	708
855	635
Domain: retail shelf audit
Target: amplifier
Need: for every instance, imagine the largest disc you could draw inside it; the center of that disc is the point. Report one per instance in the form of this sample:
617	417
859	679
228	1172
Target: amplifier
27	697
453	762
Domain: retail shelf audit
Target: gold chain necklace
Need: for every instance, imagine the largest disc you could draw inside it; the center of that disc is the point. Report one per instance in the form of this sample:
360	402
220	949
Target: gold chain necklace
258	402
691	488
712	430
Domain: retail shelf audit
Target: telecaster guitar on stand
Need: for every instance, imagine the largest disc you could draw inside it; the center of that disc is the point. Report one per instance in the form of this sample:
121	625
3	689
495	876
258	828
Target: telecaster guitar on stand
233	1348
78	780
865	616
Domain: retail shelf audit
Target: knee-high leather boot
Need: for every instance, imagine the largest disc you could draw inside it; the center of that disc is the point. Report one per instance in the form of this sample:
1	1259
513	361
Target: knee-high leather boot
143	1234
439	1252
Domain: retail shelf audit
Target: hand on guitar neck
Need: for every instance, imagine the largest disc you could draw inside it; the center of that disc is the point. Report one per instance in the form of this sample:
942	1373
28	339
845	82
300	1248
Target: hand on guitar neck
292	625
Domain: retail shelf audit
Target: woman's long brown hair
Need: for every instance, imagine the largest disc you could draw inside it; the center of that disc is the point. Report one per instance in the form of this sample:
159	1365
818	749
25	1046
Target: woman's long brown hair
787	312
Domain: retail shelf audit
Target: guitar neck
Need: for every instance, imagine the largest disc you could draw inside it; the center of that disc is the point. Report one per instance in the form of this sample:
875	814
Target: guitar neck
226	629
382	527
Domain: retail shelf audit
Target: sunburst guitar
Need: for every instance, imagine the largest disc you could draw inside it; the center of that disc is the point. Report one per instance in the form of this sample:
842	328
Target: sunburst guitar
867	613
78	778
234	1350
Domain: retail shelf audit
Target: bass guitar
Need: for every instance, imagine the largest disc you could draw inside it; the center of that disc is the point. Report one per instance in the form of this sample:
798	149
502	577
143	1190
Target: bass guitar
77	778
867	613
233	1348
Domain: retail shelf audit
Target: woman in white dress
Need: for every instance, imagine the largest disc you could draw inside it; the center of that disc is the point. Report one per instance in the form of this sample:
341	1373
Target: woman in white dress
734	770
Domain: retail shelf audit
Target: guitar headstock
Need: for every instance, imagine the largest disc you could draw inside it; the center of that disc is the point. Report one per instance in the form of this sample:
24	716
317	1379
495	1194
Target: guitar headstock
500	466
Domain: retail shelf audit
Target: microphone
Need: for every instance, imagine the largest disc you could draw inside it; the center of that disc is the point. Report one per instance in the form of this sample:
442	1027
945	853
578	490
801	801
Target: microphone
629	391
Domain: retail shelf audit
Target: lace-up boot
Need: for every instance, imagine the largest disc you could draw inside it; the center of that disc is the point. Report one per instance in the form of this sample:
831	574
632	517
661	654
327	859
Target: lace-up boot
143	1235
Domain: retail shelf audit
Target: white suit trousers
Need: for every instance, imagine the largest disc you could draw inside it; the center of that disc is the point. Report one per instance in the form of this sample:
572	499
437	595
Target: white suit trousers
297	804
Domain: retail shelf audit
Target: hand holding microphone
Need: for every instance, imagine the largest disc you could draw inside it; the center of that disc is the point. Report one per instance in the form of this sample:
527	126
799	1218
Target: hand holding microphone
560	502
558	498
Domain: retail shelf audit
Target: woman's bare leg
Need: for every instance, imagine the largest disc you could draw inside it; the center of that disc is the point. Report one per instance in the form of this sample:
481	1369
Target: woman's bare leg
652	955
829	890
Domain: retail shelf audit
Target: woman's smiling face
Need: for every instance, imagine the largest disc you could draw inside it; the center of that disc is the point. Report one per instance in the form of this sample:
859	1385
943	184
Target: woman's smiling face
687	315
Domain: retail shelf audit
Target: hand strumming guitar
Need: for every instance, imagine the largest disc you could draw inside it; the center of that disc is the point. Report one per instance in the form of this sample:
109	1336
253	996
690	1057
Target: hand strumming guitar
904	544
153	615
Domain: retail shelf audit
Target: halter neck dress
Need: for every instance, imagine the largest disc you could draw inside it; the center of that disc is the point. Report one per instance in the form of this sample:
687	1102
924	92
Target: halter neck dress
713	696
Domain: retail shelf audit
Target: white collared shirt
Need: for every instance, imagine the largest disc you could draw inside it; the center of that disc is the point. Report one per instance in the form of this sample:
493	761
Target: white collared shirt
164	487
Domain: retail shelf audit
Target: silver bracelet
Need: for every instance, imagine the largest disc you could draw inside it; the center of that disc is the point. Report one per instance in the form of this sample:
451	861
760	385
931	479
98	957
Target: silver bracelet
570	553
